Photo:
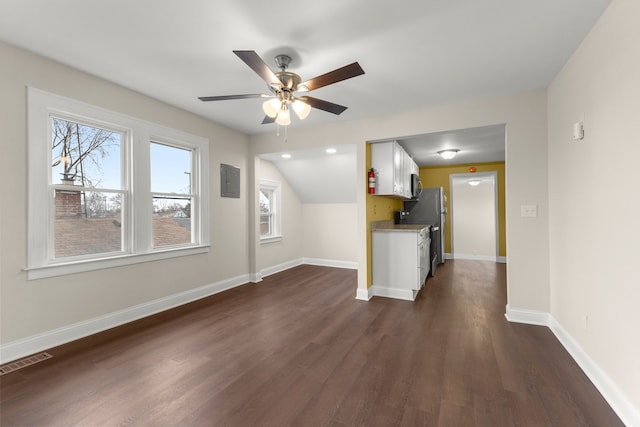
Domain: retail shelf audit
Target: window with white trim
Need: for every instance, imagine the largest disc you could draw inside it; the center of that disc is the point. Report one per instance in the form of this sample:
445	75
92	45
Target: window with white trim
106	189
270	213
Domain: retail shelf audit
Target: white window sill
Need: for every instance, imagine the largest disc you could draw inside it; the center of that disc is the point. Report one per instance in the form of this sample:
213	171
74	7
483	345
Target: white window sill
271	239
61	269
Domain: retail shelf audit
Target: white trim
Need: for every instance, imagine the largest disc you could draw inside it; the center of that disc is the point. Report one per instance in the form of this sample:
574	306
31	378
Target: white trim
275	211
352	265
24	347
364	294
619	402
403	294
268	271
62	269
530	317
270	239
475	257
498	259
136	217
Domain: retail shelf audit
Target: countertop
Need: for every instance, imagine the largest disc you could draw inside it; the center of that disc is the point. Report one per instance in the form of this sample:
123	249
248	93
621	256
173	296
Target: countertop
390	226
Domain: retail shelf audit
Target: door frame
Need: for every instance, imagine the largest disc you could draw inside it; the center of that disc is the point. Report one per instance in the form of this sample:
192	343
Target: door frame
467	176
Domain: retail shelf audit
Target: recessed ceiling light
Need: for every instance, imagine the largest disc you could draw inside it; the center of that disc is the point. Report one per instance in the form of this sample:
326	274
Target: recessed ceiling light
331	150
286	156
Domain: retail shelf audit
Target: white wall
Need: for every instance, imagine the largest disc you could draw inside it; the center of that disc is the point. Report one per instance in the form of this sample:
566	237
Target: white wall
330	231
473	218
526	175
29	308
594	198
273	254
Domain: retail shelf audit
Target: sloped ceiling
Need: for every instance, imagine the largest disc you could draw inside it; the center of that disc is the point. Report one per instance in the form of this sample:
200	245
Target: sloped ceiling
319	177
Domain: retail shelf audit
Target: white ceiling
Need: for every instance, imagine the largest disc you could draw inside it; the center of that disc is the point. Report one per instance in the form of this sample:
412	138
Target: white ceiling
475	145
416	53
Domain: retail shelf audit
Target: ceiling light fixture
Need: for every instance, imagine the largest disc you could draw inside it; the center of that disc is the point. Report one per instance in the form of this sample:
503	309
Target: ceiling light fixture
283	118
331	150
279	107
448	154
474	182
286	156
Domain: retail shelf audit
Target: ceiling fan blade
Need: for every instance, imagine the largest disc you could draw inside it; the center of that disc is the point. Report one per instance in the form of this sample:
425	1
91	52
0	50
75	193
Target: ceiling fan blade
268	120
253	60
323	105
227	97
335	76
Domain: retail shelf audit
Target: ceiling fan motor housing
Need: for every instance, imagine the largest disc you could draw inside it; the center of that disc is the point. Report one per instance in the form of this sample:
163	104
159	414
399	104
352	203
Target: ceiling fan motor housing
290	81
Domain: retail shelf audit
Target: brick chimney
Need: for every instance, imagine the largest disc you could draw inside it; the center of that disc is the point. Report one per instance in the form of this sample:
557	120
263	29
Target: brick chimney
68	203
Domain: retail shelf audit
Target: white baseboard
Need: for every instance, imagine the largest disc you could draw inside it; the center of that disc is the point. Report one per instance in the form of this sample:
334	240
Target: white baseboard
619	402
268	271
296	262
498	259
472	257
24	347
404	294
364	294
352	265
530	317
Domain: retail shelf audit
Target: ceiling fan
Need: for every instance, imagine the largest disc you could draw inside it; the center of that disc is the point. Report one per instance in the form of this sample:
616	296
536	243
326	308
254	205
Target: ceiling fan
285	84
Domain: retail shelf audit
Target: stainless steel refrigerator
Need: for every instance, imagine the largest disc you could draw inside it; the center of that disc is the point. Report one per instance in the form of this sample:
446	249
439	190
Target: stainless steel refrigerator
430	209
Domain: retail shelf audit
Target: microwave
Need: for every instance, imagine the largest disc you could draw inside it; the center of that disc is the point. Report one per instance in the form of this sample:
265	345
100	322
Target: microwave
416	186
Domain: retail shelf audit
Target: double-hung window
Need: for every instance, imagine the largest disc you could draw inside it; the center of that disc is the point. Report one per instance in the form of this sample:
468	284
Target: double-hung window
107	189
270	213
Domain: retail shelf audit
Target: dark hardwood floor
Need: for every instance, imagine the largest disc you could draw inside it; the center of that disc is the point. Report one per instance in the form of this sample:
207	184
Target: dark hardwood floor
299	349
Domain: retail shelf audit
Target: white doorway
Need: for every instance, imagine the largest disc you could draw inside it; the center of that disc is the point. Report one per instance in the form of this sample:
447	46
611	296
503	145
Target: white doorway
474	216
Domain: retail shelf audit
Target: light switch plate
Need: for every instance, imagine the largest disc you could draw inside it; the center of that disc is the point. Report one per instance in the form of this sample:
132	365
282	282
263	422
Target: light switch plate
530	211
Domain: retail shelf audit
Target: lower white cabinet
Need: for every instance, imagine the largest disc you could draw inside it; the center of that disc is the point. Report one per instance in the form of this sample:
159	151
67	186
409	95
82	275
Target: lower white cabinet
400	262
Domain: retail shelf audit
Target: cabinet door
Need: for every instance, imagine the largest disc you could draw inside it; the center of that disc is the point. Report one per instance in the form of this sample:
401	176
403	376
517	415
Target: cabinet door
392	166
382	161
398	166
395	260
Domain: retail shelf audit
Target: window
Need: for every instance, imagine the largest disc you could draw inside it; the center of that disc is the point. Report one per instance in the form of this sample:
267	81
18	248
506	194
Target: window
171	195
269	211
87	188
97	199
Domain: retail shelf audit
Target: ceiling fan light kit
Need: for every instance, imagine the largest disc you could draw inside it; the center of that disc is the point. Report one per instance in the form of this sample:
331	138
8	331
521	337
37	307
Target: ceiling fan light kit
284	84
302	109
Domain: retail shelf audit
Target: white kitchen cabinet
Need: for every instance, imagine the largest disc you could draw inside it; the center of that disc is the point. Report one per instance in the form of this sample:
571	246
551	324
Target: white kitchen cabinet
400	262
389	160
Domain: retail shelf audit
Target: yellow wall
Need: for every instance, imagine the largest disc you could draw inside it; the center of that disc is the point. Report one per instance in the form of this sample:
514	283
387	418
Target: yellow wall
438	176
379	208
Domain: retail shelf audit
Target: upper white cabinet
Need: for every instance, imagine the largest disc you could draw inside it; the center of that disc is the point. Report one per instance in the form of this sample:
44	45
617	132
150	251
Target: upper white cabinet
393	167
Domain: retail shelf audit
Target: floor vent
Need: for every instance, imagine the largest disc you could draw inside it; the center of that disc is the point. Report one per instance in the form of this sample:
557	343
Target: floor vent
23	363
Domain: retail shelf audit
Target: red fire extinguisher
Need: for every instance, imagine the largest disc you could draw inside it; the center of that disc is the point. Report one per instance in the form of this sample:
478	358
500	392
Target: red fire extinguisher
372	181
